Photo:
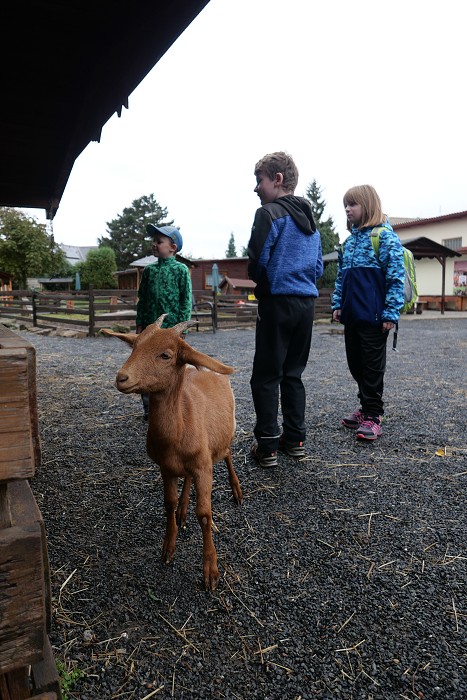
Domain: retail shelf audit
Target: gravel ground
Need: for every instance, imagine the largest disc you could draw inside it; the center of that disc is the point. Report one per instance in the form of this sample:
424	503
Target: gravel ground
343	575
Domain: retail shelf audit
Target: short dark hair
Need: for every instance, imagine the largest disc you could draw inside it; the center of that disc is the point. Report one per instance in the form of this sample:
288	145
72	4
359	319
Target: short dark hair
279	162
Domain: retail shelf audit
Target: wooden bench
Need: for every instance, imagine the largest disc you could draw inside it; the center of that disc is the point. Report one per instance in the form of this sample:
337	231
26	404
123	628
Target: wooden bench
420	306
203	311
452	302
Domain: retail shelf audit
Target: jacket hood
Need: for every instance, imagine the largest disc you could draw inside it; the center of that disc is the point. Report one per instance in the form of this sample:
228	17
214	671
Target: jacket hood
300	210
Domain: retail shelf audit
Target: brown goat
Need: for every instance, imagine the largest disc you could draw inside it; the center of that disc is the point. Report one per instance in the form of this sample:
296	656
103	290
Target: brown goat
191	425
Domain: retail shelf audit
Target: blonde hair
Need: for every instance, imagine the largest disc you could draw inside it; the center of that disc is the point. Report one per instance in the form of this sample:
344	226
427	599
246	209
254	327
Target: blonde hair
368	198
279	162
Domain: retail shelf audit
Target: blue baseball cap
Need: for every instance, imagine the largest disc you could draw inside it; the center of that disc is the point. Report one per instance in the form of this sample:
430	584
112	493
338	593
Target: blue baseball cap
169	231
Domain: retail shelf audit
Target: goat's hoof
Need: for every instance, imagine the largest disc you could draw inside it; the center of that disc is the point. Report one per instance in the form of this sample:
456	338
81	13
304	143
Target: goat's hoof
181	523
167	556
211	579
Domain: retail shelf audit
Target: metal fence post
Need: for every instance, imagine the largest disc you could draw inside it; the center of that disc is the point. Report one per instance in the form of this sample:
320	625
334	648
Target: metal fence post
214	310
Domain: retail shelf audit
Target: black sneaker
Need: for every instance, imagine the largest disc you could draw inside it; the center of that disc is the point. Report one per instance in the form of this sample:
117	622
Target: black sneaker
293	449
264	459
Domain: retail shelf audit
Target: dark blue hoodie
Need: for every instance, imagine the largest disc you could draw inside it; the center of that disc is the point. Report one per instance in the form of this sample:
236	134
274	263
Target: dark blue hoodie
285	249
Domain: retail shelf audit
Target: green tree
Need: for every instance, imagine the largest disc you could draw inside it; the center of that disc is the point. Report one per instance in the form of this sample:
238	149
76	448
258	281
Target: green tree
97	269
231	251
329	237
26	249
127	233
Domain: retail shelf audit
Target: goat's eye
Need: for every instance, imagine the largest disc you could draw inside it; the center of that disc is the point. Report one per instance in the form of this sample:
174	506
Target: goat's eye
165	356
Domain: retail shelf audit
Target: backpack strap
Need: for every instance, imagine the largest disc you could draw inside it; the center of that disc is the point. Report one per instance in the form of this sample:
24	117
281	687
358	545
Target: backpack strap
374	235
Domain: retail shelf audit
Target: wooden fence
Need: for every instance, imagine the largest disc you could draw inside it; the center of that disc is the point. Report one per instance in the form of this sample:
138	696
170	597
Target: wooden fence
94	309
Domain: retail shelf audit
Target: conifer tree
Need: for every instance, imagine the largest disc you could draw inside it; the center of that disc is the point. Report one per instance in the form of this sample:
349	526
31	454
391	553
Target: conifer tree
127	233
329	237
231	251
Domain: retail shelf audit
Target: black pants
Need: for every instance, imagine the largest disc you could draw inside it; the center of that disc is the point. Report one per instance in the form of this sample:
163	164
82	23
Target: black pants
283	338
365	347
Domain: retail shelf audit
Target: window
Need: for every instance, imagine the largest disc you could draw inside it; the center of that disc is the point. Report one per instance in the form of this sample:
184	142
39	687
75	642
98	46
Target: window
453	243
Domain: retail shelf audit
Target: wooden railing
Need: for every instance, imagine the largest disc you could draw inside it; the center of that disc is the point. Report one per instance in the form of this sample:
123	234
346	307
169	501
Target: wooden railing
89	310
94	309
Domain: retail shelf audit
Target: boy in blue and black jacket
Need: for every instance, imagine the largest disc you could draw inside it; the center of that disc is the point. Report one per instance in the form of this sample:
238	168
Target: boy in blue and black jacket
367	299
285	261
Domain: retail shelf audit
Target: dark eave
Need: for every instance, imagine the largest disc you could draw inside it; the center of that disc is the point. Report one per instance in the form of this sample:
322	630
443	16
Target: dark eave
67	67
426	248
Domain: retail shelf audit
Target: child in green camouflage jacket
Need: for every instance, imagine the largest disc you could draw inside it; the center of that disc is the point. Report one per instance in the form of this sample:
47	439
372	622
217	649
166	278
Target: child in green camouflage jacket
165	286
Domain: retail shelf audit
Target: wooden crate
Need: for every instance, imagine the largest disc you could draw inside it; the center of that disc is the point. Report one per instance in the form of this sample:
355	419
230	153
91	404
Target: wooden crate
22	596
27	667
25	596
37	682
20	451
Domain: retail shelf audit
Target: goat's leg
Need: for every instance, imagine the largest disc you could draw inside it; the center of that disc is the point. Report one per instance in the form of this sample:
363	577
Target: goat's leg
183	501
203	485
171	530
233	480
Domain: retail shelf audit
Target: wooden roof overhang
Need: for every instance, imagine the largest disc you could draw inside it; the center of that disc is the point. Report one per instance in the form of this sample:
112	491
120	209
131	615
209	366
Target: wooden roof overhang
67	67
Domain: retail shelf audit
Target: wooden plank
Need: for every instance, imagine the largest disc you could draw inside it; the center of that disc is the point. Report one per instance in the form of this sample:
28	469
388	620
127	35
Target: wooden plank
5	515
17	458
22	598
23	511
4	692
15	685
44	673
11	340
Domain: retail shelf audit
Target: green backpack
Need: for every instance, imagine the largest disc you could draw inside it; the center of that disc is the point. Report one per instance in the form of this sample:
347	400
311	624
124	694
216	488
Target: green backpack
410	280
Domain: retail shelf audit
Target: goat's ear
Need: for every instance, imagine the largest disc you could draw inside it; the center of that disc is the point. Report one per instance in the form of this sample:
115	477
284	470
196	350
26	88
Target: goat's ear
126	337
190	356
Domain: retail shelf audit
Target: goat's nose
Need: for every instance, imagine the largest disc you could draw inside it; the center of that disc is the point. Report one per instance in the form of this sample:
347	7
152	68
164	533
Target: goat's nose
122	377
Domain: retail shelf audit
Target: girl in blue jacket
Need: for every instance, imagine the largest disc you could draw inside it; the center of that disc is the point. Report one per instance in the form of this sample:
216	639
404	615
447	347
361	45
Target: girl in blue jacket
367	299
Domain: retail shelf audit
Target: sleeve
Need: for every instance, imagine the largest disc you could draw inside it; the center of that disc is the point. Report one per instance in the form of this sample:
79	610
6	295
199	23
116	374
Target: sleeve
142	298
337	294
259	233
391	259
186	297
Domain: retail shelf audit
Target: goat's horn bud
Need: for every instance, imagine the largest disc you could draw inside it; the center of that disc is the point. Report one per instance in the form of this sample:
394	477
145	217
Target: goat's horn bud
180	327
159	321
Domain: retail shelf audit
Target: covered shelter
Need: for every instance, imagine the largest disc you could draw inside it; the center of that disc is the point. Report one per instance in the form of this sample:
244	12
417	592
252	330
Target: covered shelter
426	248
67	68
230	285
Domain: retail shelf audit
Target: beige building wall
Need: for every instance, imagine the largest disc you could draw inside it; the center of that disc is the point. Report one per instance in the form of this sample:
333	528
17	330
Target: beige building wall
429	272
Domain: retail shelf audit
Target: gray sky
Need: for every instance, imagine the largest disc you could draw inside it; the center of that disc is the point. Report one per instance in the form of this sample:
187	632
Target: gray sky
360	92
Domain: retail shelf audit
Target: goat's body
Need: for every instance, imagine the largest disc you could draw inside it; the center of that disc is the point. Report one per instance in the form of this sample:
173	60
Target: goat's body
205	400
191	425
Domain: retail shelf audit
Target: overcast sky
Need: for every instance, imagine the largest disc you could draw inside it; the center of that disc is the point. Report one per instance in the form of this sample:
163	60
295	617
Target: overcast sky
368	91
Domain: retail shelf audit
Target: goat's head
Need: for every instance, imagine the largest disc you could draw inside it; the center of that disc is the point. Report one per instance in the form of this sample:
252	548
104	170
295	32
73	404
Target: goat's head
158	355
